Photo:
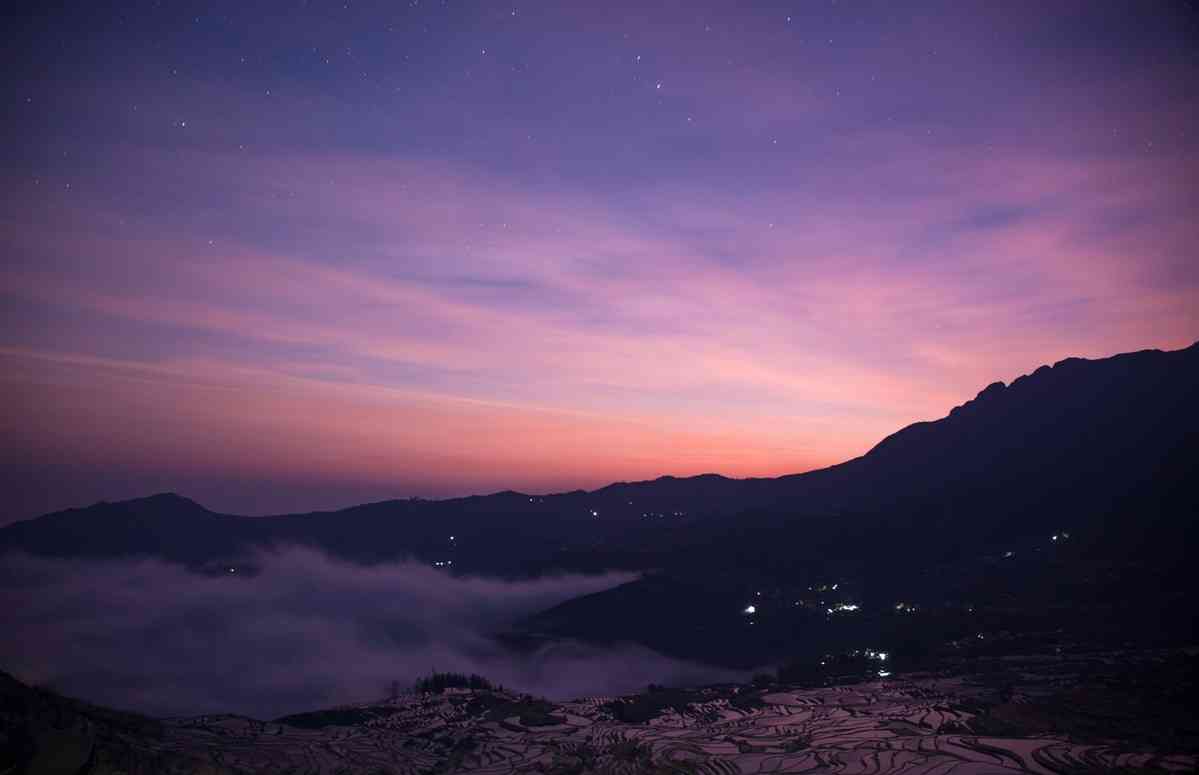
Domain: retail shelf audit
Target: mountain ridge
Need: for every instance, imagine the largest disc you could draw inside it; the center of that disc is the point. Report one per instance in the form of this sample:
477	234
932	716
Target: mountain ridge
1008	434
958	518
990	391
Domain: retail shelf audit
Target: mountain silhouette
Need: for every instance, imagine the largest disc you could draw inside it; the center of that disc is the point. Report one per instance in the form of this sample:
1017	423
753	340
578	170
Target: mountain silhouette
1102	453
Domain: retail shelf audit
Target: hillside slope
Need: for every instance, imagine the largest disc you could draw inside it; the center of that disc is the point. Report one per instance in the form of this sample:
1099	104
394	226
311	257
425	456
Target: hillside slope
1102	712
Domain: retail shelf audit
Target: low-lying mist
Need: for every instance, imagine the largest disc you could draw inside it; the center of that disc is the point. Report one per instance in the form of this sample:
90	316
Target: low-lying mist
302	632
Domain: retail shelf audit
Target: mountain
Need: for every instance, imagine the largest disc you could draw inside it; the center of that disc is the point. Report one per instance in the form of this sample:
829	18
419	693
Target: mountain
1079	435
1059	507
954	514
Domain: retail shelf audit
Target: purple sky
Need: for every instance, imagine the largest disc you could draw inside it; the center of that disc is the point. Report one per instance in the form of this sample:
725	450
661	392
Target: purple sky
312	254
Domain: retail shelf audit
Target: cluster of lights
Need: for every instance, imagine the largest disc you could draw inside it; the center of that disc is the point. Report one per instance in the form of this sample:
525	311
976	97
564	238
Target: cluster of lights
751	609
906	608
839	607
442	563
880	656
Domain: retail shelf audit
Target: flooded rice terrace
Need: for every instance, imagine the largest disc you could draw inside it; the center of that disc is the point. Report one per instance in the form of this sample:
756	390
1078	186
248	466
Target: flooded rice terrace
1096	712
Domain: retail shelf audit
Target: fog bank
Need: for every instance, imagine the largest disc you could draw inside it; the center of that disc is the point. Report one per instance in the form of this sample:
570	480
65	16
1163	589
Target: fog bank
303	632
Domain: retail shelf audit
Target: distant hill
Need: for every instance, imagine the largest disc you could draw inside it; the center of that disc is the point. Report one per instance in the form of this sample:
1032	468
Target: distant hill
950	513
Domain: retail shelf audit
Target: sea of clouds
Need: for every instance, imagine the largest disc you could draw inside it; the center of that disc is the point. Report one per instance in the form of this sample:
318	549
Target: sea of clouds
303	631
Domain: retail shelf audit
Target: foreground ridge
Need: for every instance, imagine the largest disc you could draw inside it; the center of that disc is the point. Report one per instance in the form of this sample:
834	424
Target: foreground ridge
1008	716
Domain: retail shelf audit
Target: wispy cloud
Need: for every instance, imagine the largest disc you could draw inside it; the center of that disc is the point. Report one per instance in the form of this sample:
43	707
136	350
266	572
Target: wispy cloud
419	322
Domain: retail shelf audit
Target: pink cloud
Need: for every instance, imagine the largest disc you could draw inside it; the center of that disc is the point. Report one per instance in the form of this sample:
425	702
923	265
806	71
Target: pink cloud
380	319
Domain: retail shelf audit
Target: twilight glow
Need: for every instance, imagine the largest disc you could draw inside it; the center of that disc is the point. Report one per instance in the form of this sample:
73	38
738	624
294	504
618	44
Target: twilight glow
312	255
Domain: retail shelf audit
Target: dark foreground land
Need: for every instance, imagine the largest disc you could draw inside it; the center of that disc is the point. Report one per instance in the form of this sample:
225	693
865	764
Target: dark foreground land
1057	713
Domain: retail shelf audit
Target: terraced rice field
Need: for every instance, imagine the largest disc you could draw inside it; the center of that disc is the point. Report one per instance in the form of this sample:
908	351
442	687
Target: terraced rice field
920	725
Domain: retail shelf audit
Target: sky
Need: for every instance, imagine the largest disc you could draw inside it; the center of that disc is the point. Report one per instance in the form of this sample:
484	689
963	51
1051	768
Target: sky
288	256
